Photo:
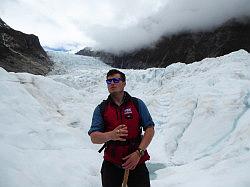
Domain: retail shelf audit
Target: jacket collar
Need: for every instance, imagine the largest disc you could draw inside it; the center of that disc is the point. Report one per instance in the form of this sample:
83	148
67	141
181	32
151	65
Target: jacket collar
126	98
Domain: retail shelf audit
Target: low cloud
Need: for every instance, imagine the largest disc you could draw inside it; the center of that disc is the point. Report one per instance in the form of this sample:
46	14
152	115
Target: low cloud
174	17
115	25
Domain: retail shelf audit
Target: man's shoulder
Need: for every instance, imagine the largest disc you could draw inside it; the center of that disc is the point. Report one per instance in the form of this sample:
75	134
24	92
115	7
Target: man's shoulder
103	104
138	100
139	104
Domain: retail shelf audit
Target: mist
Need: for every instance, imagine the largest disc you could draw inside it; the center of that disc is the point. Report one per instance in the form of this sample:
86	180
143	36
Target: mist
113	25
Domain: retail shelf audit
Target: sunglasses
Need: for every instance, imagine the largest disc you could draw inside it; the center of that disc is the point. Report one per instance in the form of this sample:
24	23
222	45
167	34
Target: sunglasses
115	80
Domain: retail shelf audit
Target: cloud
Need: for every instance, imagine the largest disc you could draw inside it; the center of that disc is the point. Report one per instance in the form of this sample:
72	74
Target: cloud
173	17
115	25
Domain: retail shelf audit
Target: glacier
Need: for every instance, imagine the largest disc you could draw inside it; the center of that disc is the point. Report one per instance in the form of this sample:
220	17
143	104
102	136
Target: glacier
201	112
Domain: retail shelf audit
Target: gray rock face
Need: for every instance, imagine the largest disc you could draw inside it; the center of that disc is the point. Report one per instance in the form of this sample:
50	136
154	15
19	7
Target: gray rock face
183	47
21	52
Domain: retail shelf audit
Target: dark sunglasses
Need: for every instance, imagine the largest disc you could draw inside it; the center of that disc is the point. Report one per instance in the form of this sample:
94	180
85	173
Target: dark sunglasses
115	80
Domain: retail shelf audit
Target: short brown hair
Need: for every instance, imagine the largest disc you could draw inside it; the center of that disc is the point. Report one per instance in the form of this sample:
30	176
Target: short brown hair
115	71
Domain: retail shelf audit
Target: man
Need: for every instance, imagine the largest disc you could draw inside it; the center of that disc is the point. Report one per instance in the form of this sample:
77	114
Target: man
117	122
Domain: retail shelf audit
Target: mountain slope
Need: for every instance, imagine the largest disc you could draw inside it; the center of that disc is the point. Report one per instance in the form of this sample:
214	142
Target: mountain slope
21	52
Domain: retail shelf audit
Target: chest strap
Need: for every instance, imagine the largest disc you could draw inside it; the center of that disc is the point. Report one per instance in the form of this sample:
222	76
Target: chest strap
130	142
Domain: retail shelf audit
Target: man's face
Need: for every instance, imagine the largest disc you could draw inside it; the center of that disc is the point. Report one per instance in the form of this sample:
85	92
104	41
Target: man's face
115	87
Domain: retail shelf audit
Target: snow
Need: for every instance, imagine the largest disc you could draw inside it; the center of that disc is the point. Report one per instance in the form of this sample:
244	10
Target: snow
201	111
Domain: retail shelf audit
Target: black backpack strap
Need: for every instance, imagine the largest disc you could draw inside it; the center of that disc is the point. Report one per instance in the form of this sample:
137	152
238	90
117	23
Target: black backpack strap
102	107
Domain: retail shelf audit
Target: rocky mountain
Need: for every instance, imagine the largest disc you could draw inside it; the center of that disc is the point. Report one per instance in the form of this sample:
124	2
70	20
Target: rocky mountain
185	47
20	52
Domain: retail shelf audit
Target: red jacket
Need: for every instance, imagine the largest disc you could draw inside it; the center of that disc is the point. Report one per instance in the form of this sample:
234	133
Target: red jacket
128	115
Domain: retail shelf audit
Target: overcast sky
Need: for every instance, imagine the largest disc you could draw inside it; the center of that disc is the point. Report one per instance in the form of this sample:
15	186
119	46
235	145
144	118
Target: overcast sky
115	24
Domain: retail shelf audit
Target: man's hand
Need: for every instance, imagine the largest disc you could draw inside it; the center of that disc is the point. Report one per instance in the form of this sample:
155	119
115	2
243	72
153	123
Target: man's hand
119	133
131	161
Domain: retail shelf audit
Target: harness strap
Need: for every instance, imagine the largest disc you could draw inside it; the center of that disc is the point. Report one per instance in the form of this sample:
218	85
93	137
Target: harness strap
103	147
132	142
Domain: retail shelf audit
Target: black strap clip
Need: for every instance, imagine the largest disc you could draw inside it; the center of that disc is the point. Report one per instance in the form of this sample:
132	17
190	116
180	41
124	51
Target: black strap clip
103	147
